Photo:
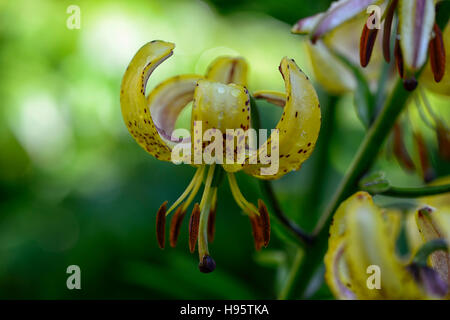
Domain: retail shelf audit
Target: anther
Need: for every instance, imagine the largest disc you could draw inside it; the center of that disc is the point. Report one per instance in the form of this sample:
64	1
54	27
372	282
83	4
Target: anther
193	227
265	222
437	54
368	37
161	225
256	232
400	151
427	169
175	225
443	136
211	224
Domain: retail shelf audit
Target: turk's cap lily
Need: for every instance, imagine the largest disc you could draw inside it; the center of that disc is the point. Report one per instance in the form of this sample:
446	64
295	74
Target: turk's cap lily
220	102
362	263
417	34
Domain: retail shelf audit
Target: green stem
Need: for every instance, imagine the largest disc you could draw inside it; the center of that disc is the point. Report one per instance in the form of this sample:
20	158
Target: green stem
362	161
415	192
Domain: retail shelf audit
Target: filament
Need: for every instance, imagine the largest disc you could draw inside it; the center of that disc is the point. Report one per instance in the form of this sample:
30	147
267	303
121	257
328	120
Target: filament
248	207
205	205
197	176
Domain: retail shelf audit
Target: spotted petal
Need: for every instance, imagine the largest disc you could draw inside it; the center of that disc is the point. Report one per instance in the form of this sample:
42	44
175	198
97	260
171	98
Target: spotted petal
228	70
298	127
338	13
416	20
336	274
133	102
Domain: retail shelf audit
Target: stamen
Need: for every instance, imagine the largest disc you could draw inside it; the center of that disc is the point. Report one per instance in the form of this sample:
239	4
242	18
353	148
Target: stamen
427	169
161	225
368	37
175	225
256	231
205	206
437	54
387	30
193	227
265	221
443	136
198	174
194	192
212	216
400	151
207	264
246	206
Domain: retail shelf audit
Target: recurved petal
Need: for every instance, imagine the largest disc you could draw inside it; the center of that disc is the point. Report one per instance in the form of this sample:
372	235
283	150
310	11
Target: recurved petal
338	13
329	71
306	25
133	102
369	250
228	70
338	226
416	20
167	101
297	130
336	274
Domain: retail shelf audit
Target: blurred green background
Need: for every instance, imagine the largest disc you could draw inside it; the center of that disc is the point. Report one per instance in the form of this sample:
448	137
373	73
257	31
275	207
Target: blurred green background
75	188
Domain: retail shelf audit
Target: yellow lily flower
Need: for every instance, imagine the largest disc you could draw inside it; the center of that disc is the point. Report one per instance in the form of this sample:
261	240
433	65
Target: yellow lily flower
361	262
221	102
416	33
